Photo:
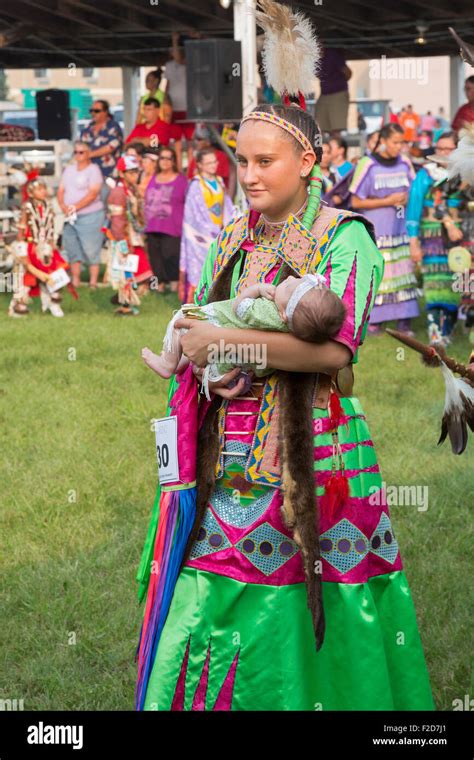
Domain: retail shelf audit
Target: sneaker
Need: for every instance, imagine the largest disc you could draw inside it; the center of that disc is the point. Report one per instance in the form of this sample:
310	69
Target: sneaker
55	309
17	310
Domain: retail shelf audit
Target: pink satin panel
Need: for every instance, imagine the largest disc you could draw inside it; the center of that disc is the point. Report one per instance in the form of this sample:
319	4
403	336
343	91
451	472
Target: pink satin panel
184	404
199	701
322	452
241	423
224	698
179	694
346	333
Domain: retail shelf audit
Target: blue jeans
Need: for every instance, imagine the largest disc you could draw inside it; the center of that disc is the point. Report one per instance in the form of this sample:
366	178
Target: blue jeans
83	240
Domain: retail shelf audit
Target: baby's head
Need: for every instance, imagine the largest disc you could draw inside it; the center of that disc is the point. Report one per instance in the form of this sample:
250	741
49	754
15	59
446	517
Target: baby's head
313	311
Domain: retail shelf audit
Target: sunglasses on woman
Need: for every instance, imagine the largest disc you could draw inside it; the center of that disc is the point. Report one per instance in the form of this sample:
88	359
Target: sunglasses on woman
96	110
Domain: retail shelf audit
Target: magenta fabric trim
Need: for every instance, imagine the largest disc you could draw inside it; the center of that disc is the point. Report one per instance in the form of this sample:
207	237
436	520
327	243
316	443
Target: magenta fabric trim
322	476
323	424
322	452
224	698
366	311
199	701
179	692
346	333
364	513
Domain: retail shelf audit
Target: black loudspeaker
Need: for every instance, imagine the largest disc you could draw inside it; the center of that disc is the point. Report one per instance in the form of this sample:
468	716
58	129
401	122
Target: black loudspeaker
213	79
54	118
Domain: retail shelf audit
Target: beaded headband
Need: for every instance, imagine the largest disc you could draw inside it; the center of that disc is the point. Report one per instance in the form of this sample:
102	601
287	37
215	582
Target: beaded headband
308	281
284	124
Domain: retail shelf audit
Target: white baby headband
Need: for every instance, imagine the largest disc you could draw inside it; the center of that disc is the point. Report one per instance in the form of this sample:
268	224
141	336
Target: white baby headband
307	282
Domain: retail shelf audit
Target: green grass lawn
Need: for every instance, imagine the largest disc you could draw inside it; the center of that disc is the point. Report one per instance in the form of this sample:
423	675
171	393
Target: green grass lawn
78	476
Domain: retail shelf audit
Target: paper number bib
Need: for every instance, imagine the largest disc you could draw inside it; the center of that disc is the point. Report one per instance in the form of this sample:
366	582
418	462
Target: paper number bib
166	435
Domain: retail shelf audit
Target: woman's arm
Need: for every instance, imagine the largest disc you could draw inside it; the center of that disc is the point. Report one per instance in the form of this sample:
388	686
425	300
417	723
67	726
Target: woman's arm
282	350
104	151
393	199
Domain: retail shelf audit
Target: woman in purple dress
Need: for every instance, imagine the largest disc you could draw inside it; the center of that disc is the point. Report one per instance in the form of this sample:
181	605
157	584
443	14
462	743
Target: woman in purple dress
207	210
164	208
380	189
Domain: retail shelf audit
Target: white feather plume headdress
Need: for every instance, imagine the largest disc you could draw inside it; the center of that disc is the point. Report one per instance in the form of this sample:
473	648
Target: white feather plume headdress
291	51
461	160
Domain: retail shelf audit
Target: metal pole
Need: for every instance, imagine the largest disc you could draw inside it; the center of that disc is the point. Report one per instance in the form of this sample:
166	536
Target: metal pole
130	84
456	83
245	31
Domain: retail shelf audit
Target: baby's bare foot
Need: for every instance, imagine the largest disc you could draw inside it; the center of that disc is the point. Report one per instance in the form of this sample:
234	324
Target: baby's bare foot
164	365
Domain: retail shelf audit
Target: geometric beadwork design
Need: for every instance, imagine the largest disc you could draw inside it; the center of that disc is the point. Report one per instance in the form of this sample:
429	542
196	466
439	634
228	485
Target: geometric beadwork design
266	548
344	545
261	435
210	539
234	511
383	541
240	448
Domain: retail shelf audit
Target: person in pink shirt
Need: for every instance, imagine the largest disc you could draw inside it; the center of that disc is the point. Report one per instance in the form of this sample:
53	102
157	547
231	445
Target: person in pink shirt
80	201
428	122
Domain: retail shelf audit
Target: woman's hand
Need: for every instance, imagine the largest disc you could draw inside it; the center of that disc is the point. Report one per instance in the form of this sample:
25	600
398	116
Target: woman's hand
220	387
200	337
397	199
416	253
454	233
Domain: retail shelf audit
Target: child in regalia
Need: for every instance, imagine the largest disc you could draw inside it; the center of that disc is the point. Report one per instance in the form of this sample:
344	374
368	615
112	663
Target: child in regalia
39	269
125	231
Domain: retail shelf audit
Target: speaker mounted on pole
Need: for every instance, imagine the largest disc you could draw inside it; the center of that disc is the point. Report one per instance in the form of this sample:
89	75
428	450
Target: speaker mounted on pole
54	117
213	79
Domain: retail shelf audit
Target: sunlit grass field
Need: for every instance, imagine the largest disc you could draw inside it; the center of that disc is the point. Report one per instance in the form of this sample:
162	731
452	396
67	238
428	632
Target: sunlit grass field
78	475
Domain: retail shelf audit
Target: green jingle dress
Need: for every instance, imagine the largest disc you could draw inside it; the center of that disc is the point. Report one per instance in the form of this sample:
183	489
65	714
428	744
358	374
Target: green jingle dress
239	634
